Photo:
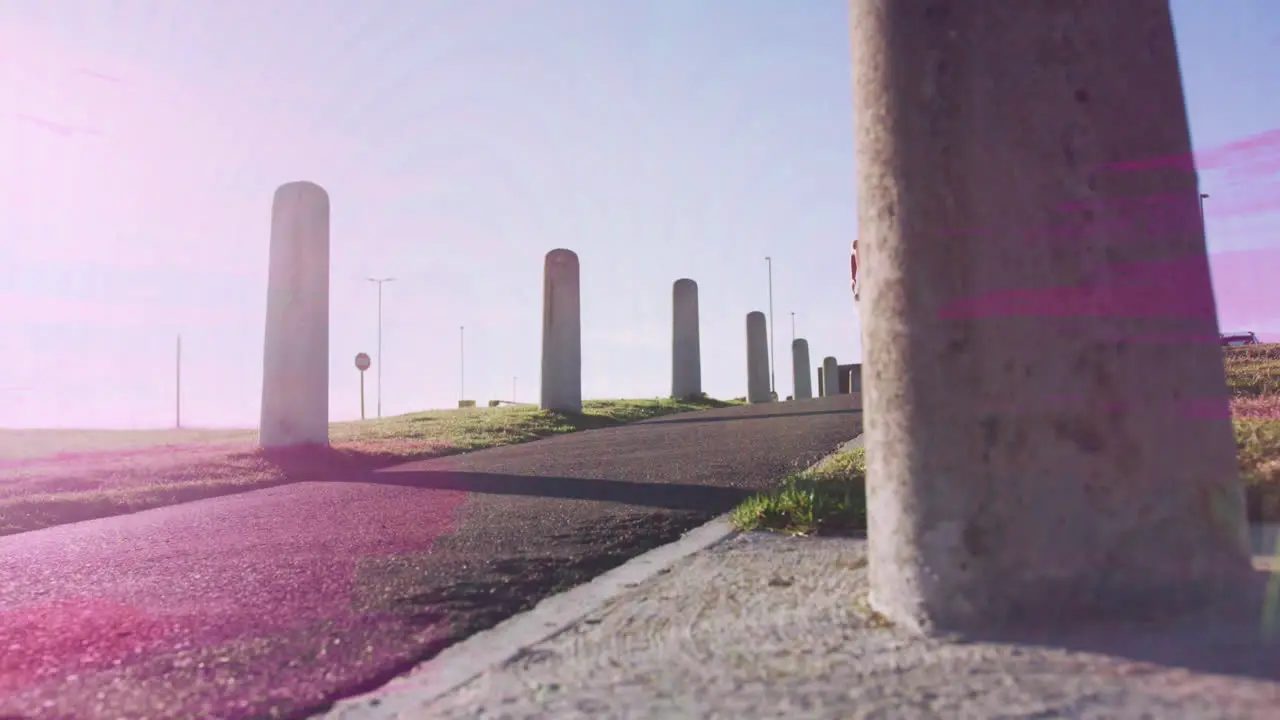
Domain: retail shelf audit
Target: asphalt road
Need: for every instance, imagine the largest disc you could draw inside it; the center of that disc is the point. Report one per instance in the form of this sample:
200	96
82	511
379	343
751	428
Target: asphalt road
277	602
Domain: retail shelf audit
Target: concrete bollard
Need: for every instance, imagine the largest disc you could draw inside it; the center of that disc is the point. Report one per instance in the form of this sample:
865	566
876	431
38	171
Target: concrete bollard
686	354
830	377
561	333
1029	462
757	359
801	380
295	365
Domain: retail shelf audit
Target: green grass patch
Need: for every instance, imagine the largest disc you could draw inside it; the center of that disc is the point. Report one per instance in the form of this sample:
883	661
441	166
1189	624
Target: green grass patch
829	499
468	429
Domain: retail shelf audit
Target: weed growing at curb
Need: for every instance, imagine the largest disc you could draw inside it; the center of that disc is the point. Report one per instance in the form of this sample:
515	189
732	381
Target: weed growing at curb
829	499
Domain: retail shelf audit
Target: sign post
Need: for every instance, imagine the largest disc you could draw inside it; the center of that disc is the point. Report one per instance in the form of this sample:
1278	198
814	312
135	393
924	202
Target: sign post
362	364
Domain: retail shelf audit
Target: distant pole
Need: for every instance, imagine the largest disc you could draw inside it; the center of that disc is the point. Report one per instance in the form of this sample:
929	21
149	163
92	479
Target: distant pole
513	388
773	387
1203	197
462	362
362	395
380	281
793	327
177	395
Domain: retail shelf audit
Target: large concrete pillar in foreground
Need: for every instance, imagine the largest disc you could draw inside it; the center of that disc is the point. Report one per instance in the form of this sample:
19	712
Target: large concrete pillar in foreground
295	364
1046	418
800	377
686	354
830	377
561	333
757	359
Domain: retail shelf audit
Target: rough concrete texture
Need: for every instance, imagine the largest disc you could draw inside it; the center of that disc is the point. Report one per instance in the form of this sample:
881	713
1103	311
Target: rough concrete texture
561	334
295	364
1047	425
765	626
830	376
757	359
800	369
686	353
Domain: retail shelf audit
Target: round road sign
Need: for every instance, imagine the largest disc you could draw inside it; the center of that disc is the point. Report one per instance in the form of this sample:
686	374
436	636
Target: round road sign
362	362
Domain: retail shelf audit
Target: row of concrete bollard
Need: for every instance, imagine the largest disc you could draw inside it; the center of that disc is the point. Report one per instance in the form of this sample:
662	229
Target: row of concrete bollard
295	385
562	343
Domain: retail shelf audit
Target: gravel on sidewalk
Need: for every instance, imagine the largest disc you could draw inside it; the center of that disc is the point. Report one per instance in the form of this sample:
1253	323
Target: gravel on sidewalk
767	626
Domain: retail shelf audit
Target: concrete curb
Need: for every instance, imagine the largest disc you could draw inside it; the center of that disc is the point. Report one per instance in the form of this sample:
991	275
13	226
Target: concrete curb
460	663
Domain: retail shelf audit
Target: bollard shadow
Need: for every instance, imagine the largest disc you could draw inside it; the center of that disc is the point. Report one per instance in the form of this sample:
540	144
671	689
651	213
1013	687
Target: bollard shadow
665	496
1241	640
322	464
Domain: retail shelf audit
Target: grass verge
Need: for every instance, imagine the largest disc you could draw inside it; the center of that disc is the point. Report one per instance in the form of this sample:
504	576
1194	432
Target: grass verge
829	499
52	477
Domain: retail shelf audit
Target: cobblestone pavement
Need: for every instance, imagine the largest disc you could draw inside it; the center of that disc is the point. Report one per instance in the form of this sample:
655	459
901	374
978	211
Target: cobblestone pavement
764	626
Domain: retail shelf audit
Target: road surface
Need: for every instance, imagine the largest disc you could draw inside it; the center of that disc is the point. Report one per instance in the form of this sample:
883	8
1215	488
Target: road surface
275	603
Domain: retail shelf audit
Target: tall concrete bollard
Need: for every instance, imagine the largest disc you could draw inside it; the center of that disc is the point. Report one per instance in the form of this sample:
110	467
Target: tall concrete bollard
801	380
1044	441
561	334
830	377
295	358
686	355
757	359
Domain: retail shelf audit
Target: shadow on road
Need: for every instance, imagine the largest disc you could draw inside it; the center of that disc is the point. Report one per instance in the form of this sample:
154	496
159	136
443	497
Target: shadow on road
744	417
667	496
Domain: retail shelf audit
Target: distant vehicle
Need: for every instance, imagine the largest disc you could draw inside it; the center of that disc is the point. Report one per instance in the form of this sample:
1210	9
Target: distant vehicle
1238	339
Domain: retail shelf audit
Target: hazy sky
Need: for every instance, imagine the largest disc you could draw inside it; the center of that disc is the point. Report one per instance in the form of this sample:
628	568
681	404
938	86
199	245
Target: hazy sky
140	143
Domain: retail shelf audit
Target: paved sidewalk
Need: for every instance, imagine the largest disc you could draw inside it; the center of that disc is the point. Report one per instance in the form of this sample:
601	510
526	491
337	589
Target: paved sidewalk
765	626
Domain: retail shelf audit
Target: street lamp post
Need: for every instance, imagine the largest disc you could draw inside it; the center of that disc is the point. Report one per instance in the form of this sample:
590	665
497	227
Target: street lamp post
379	282
462	362
773	385
177	395
1203	197
793	327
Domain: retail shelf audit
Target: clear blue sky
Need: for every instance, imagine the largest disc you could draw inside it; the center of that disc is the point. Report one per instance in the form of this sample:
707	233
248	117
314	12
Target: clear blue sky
459	142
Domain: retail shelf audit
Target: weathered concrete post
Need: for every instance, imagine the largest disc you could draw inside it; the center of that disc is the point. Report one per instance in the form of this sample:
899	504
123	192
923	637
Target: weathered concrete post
1031	454
686	355
757	359
830	377
800	369
561	333
295	363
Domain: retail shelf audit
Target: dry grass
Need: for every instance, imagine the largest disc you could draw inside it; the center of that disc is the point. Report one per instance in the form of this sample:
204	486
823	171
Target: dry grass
51	477
1253	378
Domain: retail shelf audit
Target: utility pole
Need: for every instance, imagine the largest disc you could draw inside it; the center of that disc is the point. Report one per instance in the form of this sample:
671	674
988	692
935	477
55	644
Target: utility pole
177	395
773	386
380	281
